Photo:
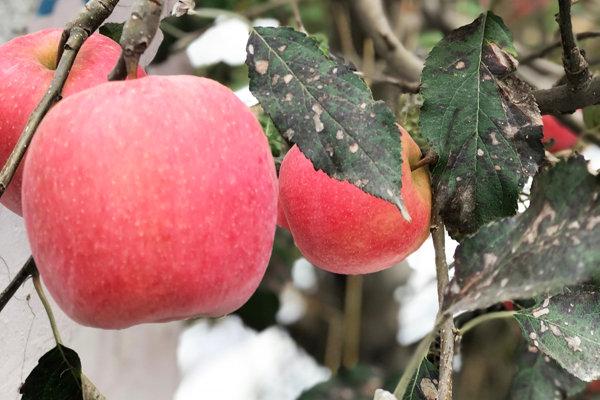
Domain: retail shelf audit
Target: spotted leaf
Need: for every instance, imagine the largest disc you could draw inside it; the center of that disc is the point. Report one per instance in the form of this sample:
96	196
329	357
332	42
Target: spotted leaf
554	243
566	327
482	121
322	105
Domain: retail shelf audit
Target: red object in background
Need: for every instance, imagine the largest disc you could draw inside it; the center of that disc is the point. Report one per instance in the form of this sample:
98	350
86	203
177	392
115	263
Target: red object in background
563	137
516	9
593	387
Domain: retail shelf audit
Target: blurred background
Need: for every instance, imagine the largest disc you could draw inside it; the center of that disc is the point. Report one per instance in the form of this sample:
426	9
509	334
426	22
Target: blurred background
306	333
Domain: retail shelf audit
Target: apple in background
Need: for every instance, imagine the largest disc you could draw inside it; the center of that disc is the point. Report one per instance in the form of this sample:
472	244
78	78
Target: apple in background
342	229
150	200
27	66
562	136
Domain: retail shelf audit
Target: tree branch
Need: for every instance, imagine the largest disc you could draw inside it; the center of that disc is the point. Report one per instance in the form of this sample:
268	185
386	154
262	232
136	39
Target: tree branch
94	13
138	32
447	326
376	24
565	99
549	49
576	66
28	269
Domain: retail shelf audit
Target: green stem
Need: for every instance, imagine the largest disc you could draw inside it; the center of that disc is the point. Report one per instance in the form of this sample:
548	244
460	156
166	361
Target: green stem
483	318
416	359
40	291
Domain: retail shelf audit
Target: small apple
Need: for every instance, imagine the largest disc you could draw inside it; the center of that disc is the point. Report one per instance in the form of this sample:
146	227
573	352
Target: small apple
150	200
563	138
27	66
342	229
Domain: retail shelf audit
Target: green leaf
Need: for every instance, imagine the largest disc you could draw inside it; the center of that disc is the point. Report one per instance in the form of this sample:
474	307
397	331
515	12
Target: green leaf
541	378
482	121
57	376
423	385
320	104
566	327
554	243
113	30
591	118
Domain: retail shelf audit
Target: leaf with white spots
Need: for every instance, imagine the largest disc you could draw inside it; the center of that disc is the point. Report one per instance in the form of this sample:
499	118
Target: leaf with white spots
424	384
319	103
483	123
541	378
554	243
569	332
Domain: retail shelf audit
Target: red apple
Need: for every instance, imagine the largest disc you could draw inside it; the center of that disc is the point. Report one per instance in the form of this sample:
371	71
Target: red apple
342	229
563	138
150	200
27	66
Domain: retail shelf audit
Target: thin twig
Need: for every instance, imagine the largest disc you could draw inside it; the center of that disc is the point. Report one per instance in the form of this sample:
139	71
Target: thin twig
404	63
447	327
404	85
556	45
483	318
74	36
138	32
37	283
14	285
89	19
576	66
297	16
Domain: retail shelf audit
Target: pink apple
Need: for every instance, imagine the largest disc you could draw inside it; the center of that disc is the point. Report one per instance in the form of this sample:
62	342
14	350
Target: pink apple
342	229
150	200
27	66
562	136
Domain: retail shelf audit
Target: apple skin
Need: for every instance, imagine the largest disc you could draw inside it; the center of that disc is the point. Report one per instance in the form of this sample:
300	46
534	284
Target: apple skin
26	69
150	200
342	229
563	137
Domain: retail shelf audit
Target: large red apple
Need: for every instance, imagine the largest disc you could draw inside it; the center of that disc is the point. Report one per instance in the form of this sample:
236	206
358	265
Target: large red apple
342	229
563	138
27	66
150	200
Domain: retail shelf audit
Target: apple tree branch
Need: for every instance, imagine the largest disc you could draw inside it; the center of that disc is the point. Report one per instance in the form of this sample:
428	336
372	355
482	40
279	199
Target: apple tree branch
73	37
138	32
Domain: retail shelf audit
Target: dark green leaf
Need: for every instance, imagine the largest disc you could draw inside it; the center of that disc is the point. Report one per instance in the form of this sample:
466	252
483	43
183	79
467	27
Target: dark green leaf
319	103
482	121
57	376
554	243
541	378
566	327
356	384
113	30
423	386
259	311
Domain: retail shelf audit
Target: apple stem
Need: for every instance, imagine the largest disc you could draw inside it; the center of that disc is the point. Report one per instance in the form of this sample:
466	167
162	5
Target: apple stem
37	283
429	158
138	32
